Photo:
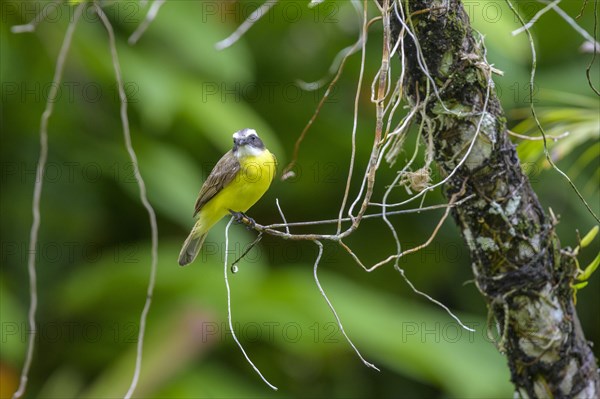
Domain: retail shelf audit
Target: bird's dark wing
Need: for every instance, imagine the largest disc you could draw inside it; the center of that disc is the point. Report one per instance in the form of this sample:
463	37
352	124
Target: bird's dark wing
222	174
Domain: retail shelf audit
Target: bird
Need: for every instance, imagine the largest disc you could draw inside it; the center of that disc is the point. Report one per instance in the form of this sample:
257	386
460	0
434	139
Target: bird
237	181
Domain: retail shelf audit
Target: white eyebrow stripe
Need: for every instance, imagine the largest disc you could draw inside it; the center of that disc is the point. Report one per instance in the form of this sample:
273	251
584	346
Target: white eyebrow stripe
244	133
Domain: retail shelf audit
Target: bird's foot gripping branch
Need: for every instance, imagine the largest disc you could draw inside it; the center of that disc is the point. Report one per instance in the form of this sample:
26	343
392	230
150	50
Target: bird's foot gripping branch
242	218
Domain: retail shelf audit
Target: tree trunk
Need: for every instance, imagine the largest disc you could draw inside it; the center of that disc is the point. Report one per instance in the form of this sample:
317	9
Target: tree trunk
516	256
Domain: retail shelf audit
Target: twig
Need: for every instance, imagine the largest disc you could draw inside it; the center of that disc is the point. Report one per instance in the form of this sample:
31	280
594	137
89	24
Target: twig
375	151
271	229
287	170
534	19
37	195
537	138
388	192
408	251
355	115
337	318
534	112
411	250
252	244
143	197
431	299
595	52
32	25
395	142
152	12
583	6
464	158
379	93
570	21
336	64
229	317
247	24
421	58
287	228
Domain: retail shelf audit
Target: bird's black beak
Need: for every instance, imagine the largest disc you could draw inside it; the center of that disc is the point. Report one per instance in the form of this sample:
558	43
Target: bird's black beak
240	142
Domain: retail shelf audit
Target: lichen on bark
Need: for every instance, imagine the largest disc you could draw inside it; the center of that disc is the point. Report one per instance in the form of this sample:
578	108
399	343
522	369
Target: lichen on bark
517	260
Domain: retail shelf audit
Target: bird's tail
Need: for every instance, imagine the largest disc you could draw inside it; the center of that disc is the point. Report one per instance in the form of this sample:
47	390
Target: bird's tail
191	248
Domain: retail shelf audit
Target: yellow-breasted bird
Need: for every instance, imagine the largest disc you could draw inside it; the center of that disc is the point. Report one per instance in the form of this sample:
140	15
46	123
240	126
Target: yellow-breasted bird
236	182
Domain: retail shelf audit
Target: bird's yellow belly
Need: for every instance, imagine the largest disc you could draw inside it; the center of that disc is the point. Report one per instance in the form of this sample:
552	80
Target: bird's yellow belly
251	182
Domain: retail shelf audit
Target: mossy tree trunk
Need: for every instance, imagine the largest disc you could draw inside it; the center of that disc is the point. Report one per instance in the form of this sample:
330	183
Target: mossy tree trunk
517	260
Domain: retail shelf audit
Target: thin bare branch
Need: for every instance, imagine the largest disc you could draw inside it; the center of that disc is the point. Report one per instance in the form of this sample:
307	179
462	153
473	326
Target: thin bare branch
571	22
287	171
32	25
377	142
340	57
229	317
150	16
143	197
594	52
246	25
355	116
412	250
337	318
539	138
534	112
433	300
234	267
408	251
399	11
380	89
37	195
272	228
535	18
583	6
482	114
388	192
287	228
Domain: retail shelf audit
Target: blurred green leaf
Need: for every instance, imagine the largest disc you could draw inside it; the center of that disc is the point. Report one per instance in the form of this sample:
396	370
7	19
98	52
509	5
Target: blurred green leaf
568	128
191	34
13	320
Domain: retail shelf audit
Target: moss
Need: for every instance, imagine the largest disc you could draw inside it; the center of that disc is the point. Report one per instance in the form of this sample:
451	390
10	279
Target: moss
451	107
486	244
512	205
471	77
446	64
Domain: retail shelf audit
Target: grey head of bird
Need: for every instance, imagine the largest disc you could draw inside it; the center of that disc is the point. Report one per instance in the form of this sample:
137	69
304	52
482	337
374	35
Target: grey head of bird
247	143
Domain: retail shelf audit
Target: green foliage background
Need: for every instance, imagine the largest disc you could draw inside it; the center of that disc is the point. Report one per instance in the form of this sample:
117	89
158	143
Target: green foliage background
186	99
